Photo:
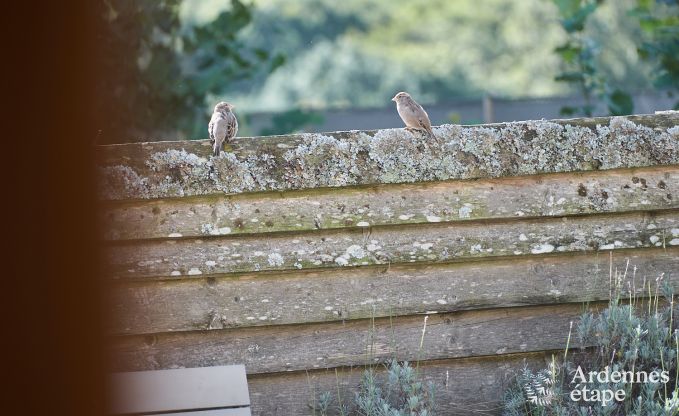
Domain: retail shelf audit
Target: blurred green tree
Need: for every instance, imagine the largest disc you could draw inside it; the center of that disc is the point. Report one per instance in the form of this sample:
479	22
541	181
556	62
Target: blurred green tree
292	121
659	21
657	44
156	73
437	50
580	57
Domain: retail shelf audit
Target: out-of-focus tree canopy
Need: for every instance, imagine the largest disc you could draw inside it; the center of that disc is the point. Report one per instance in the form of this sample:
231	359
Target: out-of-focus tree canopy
168	61
159	72
438	50
656	42
659	20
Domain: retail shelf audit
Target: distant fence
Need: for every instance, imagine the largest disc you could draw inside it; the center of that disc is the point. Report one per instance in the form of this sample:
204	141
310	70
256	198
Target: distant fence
488	109
307	257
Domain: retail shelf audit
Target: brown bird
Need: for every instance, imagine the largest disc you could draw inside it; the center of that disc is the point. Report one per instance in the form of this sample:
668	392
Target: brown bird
223	126
412	114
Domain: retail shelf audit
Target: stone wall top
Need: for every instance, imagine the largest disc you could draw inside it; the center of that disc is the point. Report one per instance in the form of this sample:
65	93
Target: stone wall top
349	158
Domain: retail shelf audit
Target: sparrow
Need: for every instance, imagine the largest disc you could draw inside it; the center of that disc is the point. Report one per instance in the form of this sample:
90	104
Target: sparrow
223	126
412	114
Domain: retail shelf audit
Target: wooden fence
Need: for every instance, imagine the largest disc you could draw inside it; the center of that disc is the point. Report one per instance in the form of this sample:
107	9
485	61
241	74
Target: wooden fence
307	257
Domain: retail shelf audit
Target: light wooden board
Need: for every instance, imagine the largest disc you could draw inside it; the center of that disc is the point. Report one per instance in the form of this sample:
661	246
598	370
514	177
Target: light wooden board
430	243
178	389
335	295
238	411
451	201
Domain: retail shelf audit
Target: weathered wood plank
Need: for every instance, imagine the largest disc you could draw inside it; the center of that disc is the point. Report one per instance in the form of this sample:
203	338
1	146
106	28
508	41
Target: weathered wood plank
537	195
389	245
334	295
353	343
463	387
166	169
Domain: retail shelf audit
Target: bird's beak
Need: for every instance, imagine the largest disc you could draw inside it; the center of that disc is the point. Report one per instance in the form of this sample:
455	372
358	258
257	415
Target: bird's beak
393	99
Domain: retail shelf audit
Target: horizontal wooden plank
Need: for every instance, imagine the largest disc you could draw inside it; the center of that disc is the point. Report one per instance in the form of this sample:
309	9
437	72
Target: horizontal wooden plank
355	343
303	161
178	389
337	295
537	195
463	387
390	245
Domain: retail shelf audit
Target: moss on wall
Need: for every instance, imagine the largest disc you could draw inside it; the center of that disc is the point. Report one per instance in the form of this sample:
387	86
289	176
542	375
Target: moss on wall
395	156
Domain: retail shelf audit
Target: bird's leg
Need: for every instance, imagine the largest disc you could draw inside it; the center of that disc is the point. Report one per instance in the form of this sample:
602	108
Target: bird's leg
416	131
431	135
421	131
434	137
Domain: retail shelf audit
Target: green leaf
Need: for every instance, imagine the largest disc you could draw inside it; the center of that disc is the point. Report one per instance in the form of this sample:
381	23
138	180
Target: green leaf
276	62
569	52
205	62
261	53
567	7
620	103
575	22
568	111
587	110
223	50
570	77
649	24
663	81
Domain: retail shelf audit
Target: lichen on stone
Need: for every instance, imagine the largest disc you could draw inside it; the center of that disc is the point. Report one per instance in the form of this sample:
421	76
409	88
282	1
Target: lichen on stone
231	175
211	229
485	144
321	160
629	144
398	156
275	260
183	171
121	182
402	156
557	148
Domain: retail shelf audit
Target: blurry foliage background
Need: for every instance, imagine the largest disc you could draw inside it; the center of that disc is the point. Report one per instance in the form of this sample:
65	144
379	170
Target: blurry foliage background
170	60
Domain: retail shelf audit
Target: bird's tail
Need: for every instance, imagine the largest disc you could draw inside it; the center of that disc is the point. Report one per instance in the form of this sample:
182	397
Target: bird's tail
216	148
432	135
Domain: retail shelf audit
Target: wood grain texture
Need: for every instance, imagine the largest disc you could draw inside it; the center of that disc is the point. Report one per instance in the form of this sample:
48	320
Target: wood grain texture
359	342
338	159
530	196
305	255
334	295
431	243
464	387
